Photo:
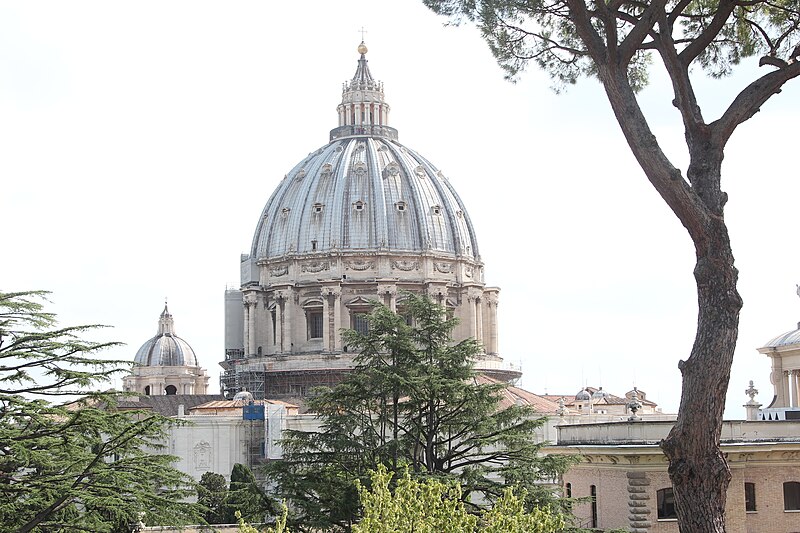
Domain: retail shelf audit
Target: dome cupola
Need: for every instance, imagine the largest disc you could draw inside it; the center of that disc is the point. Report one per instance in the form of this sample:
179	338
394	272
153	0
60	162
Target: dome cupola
166	348
361	219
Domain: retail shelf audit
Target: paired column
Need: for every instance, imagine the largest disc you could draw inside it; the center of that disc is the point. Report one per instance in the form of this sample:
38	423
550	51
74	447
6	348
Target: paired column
491	340
250	310
331	319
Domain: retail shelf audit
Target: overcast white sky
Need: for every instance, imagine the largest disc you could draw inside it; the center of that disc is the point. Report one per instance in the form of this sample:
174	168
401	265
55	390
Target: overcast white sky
139	142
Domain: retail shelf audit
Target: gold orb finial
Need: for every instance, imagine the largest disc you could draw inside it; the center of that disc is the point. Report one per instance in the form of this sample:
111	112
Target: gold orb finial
362	48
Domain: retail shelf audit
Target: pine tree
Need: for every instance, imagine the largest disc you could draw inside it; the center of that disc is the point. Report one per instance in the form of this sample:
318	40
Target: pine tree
68	459
412	400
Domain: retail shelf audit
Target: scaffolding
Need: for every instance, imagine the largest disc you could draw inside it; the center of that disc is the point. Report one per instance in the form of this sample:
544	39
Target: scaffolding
277	384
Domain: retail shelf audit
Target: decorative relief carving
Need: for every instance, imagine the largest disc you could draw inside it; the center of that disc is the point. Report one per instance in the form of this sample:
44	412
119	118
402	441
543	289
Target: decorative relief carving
300	175
278	271
391	170
360	169
468	271
315	266
359	265
420	172
405	266
437	291
332	291
202	456
474	295
443	267
327	171
391	290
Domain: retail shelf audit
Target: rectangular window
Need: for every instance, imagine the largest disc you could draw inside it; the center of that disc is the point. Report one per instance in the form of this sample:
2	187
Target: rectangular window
360	323
593	493
791	496
665	500
750	497
314	324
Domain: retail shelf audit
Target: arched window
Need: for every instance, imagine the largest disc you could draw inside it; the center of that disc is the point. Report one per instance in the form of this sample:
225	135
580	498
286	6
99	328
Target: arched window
569	490
147	391
750	497
170	390
665	499
791	496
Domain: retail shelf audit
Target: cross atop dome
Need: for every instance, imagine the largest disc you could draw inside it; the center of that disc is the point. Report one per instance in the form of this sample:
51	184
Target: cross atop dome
363	111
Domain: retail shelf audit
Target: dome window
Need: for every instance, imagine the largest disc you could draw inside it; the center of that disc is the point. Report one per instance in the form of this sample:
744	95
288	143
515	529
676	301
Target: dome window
436	210
285	212
420	172
401	206
359	205
313	246
317	207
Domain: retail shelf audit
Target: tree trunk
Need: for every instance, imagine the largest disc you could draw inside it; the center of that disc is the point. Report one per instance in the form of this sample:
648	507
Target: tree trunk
700	475
699	472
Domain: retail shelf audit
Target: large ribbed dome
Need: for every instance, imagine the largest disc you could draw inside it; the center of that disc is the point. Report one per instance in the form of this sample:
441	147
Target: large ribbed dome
364	191
166	348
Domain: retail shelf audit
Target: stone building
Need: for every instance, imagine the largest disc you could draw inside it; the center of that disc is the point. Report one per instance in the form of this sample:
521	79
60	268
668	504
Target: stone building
624	473
362	219
166	365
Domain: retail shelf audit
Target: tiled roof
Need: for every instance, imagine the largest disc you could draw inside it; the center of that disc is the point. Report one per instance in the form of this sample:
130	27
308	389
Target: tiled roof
168	405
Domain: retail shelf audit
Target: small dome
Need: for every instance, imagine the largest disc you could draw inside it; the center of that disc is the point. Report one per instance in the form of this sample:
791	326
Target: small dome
786	339
583	396
166	348
244	396
599	394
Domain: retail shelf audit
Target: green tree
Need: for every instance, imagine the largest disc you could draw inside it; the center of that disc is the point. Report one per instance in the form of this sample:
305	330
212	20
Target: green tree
413	399
212	495
68	460
246	497
433	506
615	41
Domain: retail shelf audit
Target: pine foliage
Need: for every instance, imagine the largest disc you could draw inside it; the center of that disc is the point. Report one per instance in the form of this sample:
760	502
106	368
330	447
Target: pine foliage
413	400
74	463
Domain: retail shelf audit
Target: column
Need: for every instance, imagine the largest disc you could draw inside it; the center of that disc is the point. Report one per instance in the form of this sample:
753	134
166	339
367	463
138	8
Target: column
492	337
288	320
337	318
326	327
251	340
473	320
479	320
246	327
796	388
786	389
278	322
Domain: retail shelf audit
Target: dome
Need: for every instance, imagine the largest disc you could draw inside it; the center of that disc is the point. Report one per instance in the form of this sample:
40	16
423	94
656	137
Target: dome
166	348
243	396
583	396
599	394
786	339
364	192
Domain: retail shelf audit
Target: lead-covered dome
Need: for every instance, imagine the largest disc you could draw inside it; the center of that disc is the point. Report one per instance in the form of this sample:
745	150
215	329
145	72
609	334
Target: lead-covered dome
785	339
166	348
364	191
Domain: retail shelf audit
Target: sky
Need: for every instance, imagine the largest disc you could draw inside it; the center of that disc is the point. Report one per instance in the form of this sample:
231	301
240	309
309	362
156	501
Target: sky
139	142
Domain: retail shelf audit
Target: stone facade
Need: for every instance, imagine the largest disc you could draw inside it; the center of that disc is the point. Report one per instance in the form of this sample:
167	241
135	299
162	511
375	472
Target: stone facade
624	467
